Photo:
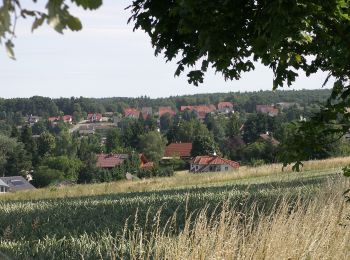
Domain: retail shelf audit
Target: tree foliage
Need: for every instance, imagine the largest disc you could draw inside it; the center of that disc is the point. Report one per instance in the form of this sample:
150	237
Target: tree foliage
152	144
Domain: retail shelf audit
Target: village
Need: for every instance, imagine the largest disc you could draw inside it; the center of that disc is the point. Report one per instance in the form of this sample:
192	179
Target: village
181	151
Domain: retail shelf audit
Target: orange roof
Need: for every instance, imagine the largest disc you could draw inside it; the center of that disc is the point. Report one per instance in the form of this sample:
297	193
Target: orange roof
201	110
53	119
178	149
110	160
214	160
164	110
67	118
131	112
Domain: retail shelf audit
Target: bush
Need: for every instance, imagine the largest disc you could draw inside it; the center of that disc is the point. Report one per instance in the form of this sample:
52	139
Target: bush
44	176
155	172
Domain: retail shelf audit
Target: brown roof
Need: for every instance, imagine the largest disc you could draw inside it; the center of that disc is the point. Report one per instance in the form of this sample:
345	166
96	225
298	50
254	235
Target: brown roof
201	110
164	110
131	112
214	160
110	160
223	105
178	149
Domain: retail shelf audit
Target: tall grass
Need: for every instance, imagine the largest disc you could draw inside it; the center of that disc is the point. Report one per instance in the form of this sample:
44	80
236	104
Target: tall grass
315	227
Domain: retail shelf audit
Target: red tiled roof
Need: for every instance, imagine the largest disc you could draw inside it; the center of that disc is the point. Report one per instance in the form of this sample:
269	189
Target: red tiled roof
53	118
201	110
178	149
223	105
131	112
110	160
67	118
214	160
164	110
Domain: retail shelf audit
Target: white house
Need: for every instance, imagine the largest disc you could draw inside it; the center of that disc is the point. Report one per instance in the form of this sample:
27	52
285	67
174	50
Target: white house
213	163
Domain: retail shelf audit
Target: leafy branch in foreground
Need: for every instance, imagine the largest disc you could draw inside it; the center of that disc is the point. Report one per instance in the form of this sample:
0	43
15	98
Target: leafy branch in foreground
56	14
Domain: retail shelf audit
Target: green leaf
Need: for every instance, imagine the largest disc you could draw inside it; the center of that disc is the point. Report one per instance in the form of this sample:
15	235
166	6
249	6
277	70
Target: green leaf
9	49
74	23
38	22
88	4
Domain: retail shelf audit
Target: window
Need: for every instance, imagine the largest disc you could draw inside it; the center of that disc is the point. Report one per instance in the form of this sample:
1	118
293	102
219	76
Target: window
17	182
226	168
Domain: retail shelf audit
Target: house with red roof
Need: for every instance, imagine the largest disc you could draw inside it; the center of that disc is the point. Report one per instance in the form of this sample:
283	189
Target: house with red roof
178	150
145	164
201	110
267	109
212	163
146	112
131	113
94	117
67	119
53	119
225	107
164	110
109	161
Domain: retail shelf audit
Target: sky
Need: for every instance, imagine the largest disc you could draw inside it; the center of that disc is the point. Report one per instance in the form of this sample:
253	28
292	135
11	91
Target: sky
108	59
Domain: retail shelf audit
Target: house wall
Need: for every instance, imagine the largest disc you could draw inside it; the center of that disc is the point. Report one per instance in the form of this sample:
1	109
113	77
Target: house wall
3	189
211	168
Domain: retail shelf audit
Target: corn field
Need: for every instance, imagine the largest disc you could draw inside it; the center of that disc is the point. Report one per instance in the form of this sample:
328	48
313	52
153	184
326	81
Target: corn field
290	216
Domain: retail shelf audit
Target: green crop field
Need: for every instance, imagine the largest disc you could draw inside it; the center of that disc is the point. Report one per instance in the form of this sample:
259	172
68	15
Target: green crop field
108	225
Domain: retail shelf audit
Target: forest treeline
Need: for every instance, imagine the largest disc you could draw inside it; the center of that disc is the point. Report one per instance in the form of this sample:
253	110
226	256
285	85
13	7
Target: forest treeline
245	101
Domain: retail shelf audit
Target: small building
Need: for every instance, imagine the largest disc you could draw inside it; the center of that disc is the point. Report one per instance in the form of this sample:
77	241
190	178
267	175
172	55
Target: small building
109	161
145	164
131	113
16	183
201	110
166	110
213	163
225	107
94	117
267	109
146	112
178	150
67	119
53	119
3	187
33	119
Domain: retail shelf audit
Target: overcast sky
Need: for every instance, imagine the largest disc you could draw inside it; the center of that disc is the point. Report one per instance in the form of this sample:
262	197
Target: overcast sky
108	59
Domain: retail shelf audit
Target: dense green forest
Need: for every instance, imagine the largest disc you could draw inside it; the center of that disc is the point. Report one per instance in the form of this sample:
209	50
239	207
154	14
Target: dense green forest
54	152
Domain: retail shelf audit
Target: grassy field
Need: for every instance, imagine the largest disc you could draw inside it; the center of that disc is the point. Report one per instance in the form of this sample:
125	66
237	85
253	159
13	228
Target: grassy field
255	213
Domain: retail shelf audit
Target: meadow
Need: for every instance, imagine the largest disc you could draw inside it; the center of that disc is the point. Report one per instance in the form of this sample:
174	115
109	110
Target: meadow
254	213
